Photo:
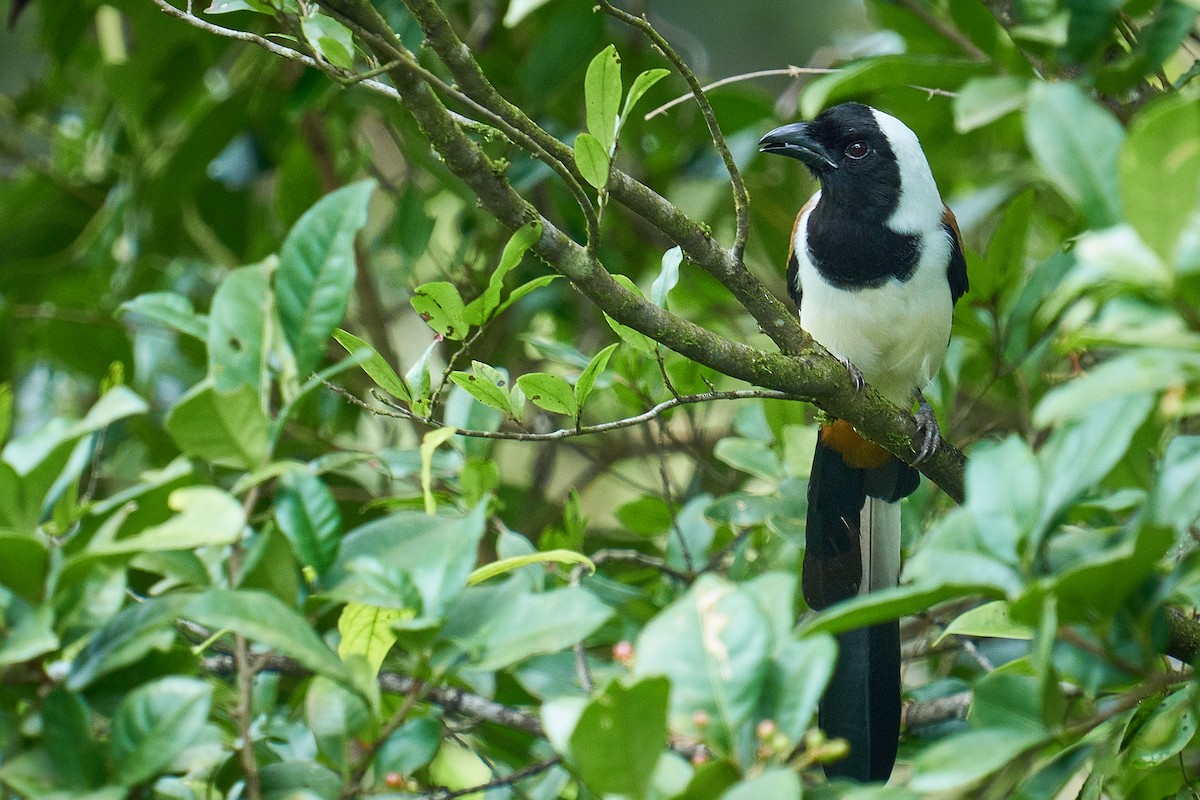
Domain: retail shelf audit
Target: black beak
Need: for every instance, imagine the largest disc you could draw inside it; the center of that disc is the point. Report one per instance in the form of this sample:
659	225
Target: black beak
796	141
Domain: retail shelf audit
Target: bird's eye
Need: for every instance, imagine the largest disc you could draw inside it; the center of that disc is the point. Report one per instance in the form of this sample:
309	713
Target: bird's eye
857	150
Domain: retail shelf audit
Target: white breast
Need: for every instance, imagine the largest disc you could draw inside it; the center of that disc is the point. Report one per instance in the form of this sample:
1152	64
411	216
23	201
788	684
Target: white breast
895	334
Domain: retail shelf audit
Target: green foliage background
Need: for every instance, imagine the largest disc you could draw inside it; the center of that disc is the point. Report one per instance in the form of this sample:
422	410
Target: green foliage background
219	577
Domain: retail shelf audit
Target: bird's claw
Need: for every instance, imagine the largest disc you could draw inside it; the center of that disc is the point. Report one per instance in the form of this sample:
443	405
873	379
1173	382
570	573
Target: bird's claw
927	427
856	376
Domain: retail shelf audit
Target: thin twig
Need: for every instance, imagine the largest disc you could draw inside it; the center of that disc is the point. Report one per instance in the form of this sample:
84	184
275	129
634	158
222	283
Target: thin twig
638	557
790	71
415	695
245	671
344	77
401	412
741	198
535	768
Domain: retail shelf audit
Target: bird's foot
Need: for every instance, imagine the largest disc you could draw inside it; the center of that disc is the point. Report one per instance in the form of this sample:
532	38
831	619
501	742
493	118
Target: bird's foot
856	376
927	427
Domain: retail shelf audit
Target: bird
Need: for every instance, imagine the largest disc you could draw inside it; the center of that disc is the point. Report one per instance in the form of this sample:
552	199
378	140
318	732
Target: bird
875	266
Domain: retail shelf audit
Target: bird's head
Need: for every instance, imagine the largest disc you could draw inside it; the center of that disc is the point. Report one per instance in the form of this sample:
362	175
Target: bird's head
868	162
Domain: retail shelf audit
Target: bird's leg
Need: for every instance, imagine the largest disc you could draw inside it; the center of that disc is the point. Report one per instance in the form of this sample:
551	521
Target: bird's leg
927	426
856	376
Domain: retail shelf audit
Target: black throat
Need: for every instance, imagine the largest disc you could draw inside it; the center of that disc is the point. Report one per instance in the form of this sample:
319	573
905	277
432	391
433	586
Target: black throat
858	251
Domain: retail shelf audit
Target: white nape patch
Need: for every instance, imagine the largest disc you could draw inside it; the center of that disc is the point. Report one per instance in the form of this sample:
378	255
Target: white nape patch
919	209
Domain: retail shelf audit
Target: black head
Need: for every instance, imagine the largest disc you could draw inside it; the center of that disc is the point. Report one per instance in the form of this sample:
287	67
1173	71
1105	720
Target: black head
849	153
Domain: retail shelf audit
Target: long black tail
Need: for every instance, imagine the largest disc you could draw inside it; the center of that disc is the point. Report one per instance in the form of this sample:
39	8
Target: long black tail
853	546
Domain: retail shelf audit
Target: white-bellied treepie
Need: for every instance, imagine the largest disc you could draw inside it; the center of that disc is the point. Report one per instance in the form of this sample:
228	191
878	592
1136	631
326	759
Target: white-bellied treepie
875	267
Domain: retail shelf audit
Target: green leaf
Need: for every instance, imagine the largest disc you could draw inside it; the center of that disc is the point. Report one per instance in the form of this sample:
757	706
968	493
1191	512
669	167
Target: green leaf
668	277
441	306
752	457
620	736
776	783
335	715
227	429
587	378
536	623
483	383
1004	487
262	618
299	780
237	336
316	271
1004	264
714	644
1167	732
889	604
330	38
127	637
154	723
592	160
411	747
169	309
641	85
418	379
1076	142
26	630
204	516
308	516
602	97
24	563
1081	453
375	366
1175	500
437	552
456	768
506	565
1160	171
796	679
487	305
524	289
549	392
430	442
991	620
873	74
67	730
962	759
1138	372
367	631
28	452
984	100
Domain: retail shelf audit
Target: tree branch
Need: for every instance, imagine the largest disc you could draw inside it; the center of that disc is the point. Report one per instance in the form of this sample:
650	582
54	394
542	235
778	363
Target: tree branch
810	373
805	370
562	433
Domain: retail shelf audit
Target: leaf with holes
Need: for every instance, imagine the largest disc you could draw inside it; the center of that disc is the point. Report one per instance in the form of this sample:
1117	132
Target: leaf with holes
441	306
549	392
